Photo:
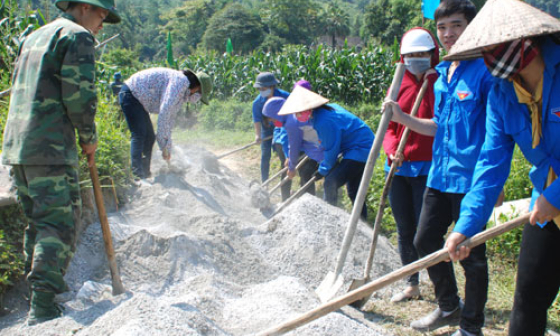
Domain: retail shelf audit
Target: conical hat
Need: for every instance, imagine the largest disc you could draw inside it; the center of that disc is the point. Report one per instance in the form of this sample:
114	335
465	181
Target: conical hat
301	100
501	21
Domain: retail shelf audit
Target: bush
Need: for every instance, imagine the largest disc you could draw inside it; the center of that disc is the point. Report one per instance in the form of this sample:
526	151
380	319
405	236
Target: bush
226	115
12	226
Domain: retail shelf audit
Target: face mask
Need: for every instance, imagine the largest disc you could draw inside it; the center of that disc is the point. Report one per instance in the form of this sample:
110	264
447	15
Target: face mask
508	59
195	97
277	123
303	116
417	65
266	93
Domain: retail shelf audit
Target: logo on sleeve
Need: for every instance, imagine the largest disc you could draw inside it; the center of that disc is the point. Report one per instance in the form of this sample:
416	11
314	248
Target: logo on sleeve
463	94
556	112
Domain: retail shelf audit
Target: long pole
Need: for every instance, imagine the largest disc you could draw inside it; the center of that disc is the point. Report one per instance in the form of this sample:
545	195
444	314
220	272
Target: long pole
118	287
428	261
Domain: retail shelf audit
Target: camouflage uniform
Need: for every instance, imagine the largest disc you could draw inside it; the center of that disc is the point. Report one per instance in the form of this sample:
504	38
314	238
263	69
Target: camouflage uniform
53	95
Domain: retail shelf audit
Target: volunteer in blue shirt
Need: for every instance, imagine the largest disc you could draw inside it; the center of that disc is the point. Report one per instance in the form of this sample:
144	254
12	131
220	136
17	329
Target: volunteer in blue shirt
297	142
459	128
523	109
340	133
266	84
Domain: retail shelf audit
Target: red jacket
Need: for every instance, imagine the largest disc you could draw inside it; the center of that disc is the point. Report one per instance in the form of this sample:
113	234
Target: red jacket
418	147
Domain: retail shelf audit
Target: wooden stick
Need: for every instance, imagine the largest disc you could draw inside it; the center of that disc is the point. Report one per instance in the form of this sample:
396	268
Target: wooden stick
115	276
389	180
286	179
295	195
328	287
242	148
428	261
280	172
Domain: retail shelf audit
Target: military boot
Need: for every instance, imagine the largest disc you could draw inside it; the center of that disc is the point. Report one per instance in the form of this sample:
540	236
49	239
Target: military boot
43	307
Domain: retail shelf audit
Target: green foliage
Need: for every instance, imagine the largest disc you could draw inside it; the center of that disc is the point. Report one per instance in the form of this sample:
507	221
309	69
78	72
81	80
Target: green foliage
518	185
122	58
235	22
385	20
344	75
12	226
336	21
296	21
230	115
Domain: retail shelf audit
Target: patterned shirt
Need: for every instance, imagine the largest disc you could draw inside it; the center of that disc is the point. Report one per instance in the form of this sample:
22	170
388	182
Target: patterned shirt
161	91
53	95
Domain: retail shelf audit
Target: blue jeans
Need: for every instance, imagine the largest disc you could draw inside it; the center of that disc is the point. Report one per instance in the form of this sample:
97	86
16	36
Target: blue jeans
439	211
347	172
266	149
405	197
142	131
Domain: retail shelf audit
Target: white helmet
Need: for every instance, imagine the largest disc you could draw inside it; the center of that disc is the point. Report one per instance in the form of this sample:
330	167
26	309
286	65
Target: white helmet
417	40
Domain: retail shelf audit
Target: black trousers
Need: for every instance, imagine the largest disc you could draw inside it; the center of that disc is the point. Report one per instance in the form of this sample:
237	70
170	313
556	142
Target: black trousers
538	280
306	172
439	211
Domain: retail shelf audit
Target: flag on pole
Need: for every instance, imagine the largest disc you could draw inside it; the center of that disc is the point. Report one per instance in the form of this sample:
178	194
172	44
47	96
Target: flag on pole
170	59
229	47
429	8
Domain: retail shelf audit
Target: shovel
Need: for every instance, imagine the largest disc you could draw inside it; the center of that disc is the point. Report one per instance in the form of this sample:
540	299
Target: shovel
356	283
295	195
242	148
115	276
286	179
334	281
280	172
415	267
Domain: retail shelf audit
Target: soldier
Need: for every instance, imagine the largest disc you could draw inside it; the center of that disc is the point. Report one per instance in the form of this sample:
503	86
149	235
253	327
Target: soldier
53	95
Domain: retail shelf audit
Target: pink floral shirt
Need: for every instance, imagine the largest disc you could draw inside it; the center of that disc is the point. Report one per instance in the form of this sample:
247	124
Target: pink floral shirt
161	91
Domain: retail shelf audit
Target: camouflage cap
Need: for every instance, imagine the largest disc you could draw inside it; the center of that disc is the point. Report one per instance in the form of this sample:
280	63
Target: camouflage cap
109	5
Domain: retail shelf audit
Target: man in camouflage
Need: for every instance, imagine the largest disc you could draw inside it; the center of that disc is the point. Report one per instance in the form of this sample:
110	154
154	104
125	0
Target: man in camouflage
53	95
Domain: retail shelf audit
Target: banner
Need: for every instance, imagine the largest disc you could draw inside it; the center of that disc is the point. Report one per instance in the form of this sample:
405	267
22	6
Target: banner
429	8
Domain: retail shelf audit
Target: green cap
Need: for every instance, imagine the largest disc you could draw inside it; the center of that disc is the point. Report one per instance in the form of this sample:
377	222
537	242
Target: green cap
205	86
109	5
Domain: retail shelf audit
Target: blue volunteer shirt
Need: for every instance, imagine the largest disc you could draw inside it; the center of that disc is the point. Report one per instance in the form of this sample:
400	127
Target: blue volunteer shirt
460	114
341	132
509	123
302	138
279	135
411	168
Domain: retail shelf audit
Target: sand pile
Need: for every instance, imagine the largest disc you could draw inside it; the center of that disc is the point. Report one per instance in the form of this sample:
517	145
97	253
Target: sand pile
197	258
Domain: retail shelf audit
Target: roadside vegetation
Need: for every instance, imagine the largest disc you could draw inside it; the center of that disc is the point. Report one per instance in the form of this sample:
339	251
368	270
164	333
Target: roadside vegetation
357	78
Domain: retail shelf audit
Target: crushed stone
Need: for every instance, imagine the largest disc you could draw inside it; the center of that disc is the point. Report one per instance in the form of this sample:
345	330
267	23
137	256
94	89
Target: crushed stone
197	257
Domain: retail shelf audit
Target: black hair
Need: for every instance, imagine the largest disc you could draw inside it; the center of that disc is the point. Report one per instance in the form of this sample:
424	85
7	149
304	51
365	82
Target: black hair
449	7
72	4
193	80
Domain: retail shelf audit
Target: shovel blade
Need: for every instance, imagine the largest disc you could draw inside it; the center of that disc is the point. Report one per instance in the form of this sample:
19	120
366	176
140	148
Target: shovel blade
355	284
329	287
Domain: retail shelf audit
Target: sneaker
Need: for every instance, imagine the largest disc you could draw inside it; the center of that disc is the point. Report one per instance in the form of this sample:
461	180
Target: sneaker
436	319
462	332
43	308
410	293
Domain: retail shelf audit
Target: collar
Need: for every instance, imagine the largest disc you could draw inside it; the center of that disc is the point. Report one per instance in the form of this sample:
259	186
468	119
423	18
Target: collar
68	17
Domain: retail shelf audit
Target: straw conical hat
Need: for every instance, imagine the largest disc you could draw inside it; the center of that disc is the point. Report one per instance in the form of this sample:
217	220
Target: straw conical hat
300	100
501	21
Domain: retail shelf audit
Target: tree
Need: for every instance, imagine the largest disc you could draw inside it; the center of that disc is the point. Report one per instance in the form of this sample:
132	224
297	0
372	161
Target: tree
188	23
337	21
552	7
238	23
296	21
385	20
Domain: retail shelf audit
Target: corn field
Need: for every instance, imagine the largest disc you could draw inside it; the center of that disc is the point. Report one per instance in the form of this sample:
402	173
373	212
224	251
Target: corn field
344	75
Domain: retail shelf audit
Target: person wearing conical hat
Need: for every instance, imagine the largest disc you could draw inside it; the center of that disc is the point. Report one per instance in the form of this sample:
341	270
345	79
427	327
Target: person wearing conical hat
160	91
420	53
53	96
302	138
520	46
340	133
459	129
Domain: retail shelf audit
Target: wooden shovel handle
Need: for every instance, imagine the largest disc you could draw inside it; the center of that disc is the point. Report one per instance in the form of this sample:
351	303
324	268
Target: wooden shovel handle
242	148
390	278
115	276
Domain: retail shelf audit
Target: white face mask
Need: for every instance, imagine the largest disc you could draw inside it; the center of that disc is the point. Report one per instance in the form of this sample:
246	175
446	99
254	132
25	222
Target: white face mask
417	65
195	97
266	93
